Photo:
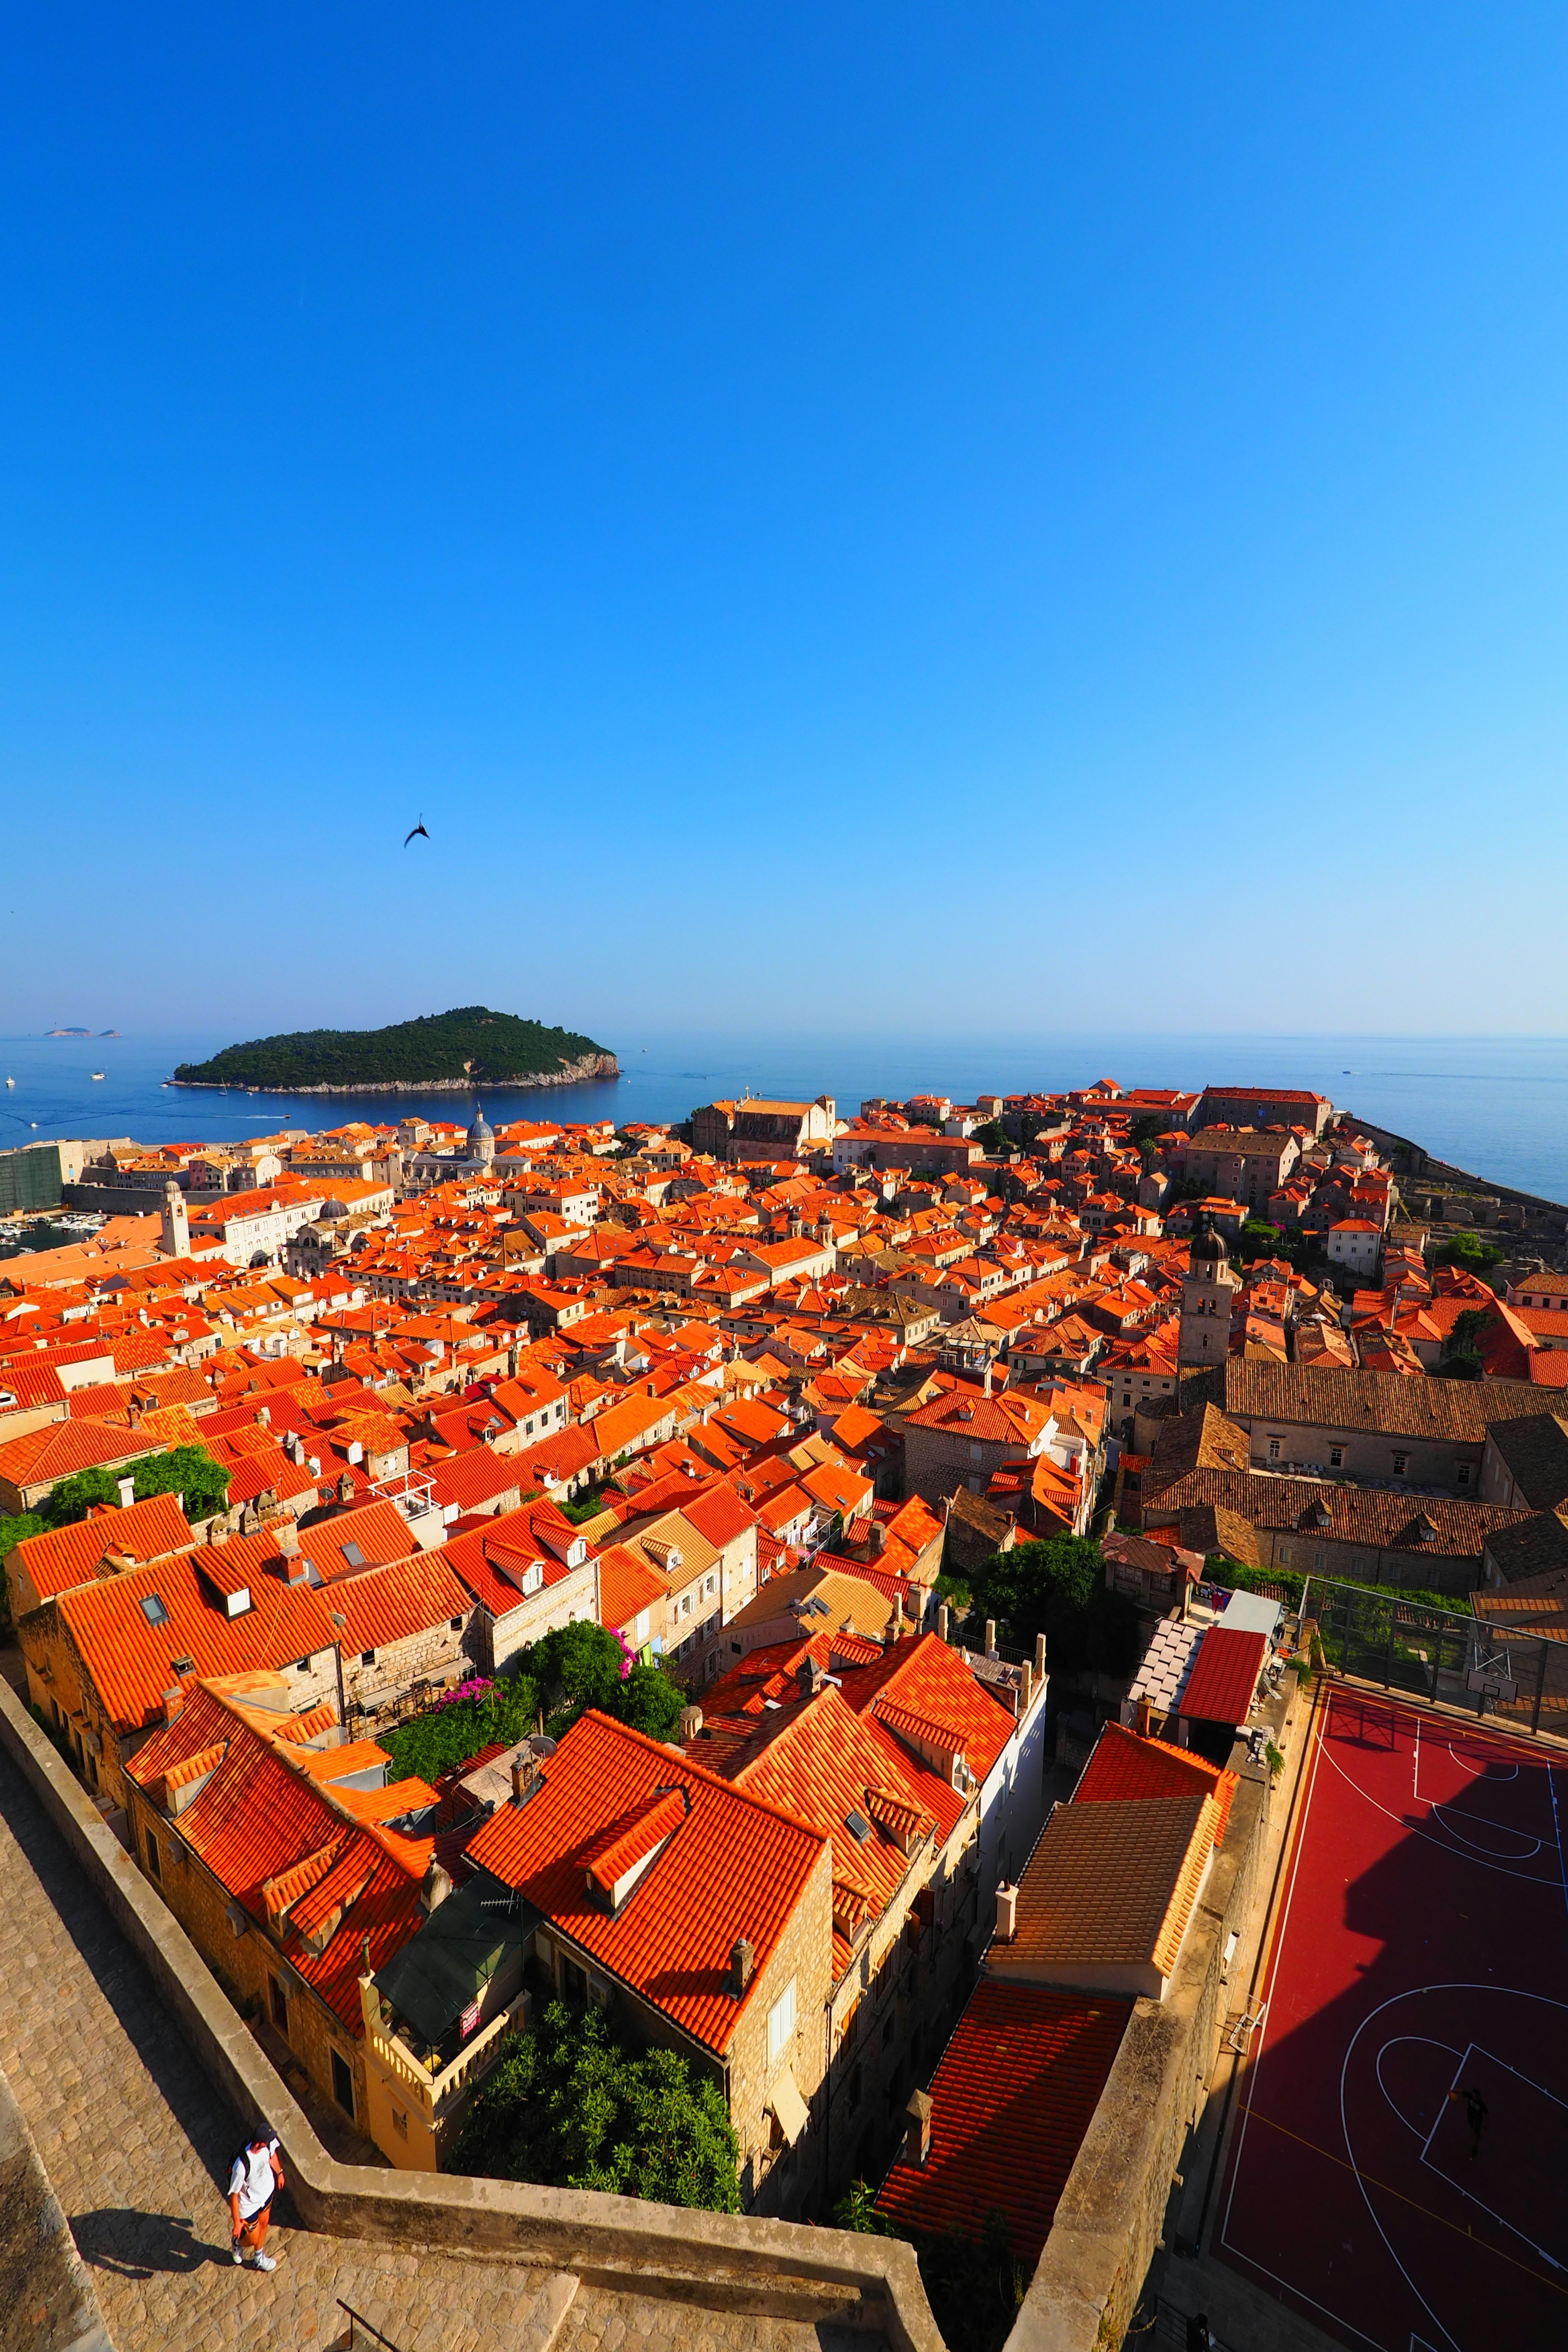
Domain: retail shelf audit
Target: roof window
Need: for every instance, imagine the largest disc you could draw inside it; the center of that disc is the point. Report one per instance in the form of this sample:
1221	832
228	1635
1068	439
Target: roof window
153	1609
858	1827
353	1554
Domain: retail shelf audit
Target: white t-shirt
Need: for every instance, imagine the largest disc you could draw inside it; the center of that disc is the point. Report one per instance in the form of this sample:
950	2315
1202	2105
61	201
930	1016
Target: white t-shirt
252	2179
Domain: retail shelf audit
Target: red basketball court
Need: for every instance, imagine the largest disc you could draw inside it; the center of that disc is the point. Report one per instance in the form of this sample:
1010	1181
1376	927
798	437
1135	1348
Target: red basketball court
1421	1947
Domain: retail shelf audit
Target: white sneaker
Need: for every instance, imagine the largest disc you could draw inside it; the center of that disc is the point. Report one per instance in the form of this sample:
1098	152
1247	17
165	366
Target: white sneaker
264	2262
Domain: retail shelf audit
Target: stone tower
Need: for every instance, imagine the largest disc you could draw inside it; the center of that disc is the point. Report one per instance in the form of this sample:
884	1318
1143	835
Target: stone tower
175	1234
1208	1292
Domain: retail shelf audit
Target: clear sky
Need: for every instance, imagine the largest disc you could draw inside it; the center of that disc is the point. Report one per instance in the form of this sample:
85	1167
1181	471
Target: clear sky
994	517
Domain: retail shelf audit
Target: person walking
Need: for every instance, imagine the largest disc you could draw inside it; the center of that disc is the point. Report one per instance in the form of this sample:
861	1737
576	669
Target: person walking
1476	2113
254	2181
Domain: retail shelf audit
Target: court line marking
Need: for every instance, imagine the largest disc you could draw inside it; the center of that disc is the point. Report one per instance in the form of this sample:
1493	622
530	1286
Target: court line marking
1557	1826
1428	2212
1432	2042
1481	1861
1514	1992
1474	2049
1443	1807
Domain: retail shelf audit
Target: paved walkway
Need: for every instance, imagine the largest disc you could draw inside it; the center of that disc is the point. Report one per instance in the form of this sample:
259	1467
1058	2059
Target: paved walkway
137	2145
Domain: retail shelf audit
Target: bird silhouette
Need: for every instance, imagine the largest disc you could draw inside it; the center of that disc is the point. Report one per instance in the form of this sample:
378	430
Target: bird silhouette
419	829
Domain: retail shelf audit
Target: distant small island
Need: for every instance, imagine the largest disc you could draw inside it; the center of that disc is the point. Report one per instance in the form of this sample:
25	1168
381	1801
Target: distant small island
68	1032
460	1052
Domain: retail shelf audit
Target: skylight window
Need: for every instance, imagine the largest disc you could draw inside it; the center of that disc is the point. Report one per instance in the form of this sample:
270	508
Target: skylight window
858	1827
353	1554
153	1609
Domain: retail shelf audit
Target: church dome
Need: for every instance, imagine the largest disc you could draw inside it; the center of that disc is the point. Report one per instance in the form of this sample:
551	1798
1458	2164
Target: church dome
482	1137
1209	1249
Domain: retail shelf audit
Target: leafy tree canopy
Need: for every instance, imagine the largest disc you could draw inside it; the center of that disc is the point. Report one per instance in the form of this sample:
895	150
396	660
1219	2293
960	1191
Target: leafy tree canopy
572	2107
479	1714
1057	1588
187	1470
12	1531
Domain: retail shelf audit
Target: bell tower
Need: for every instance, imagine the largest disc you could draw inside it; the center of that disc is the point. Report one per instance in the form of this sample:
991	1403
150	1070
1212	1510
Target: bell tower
1209	1293
174	1231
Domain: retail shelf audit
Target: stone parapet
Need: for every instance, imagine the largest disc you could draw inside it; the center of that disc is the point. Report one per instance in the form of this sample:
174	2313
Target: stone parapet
712	2260
1108	2222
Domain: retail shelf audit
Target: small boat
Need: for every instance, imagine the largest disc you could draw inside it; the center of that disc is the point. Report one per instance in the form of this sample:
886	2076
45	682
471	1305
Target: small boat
10	1082
97	1074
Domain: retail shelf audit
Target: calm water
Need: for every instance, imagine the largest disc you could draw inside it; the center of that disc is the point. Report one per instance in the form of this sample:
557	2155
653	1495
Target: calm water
1496	1105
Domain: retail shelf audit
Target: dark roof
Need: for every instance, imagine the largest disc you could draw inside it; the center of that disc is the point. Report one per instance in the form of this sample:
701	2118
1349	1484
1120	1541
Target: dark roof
1011	2099
1209	1527
447	1965
1534	1546
1363	1514
1203	1440
1329	1396
1534	1449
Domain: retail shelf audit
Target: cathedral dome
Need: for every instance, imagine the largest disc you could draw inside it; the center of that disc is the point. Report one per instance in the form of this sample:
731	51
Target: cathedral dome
1209	1249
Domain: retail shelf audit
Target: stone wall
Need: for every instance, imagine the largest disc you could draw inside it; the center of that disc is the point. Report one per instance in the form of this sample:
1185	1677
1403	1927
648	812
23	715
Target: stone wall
713	2259
47	2298
1112	2210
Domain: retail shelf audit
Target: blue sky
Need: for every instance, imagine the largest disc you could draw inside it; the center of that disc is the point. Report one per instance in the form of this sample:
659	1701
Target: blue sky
927	518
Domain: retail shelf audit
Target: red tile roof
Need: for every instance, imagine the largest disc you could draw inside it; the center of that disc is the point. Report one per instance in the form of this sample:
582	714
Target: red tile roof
1225	1675
1122	1766
385	1605
132	1660
734	1867
1011	2099
63	1557
378	1532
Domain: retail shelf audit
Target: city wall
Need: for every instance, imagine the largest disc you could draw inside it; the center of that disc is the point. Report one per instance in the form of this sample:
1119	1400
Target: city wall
1111	2216
717	2260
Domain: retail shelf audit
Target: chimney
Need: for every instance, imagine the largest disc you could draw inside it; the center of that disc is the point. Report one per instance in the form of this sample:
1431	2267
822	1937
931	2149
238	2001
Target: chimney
987	1375
917	2128
897	1616
217	1533
942	1620
173	1701
876	1539
126	1490
991	1637
1041	1657
1143	1718
691	1723
433	1888
345	1488
524	1773
1006	1913
743	1962
811	1676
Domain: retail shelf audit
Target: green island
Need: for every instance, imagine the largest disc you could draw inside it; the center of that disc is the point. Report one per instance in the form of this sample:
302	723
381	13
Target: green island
469	1047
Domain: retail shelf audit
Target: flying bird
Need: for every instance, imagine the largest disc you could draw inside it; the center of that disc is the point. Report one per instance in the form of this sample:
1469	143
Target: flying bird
419	829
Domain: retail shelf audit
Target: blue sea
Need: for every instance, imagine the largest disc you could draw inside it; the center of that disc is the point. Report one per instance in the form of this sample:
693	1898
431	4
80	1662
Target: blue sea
1497	1105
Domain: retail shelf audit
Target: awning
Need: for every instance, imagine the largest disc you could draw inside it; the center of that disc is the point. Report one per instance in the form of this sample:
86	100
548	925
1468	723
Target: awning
788	2106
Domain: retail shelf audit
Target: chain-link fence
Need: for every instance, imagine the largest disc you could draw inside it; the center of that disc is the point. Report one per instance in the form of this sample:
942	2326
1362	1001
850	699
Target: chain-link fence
1369	1630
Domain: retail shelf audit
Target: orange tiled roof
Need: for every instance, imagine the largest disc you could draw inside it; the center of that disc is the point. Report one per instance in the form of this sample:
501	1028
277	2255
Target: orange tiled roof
734	1867
1011	2101
1123	1766
63	1557
385	1605
132	1660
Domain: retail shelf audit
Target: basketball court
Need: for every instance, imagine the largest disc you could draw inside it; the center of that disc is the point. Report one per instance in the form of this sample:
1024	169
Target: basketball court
1421	1951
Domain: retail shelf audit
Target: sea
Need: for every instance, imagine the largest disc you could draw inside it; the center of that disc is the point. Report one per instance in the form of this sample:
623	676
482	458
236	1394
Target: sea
1495	1106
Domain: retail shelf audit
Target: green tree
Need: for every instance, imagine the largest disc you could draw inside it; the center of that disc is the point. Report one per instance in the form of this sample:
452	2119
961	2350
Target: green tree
651	1701
1057	1588
572	2107
576	1667
484	1715
12	1531
186	1470
1461	1358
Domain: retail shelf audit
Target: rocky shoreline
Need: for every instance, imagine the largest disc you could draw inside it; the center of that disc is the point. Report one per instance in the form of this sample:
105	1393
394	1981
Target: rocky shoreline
572	1074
